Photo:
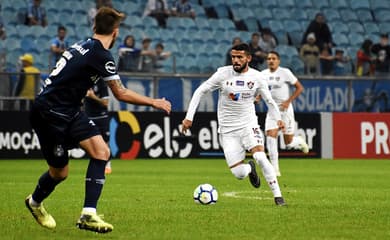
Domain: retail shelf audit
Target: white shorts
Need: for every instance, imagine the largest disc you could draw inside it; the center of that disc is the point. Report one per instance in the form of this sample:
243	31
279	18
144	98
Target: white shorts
236	143
288	119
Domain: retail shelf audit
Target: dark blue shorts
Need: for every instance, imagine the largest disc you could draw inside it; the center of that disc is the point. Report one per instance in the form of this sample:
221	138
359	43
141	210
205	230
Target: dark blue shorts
102	123
59	132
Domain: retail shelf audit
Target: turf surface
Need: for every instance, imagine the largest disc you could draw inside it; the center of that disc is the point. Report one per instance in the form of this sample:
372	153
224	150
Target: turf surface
152	199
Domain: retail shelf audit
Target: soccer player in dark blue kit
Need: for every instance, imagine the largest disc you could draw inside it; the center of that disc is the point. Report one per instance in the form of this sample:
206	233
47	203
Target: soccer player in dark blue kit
57	119
96	106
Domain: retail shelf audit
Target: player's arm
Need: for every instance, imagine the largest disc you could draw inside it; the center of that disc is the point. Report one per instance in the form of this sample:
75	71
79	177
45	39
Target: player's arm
298	90
273	108
210	85
101	101
126	95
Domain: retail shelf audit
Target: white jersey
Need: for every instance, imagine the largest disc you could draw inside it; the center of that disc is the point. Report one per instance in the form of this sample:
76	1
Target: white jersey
237	92
279	82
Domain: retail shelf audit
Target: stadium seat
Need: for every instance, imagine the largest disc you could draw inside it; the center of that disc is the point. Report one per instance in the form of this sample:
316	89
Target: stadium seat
153	34
341	40
355	39
296	38
202	24
276	26
252	24
339	4
150	22
299	14
321	4
338	27
384	27
297	65
241	13
29	46
269	4
222	10
348	15
382	16
292	26
364	15
263	14
379	5
281	13
286	4
360	4
199	11
371	28
356	27
332	14
252	3
304	4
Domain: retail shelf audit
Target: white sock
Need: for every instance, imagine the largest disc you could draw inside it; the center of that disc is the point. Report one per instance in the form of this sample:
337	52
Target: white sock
89	210
295	143
268	172
272	146
34	203
108	164
241	171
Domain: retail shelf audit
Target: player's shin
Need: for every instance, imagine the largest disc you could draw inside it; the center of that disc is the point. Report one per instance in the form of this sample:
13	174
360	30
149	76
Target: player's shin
272	147
94	183
45	187
268	172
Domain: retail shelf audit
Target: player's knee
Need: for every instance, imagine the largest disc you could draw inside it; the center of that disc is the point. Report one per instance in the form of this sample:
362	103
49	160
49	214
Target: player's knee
102	153
239	171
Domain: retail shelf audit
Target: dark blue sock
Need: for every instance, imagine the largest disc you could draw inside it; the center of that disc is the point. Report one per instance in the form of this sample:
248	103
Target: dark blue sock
46	185
94	181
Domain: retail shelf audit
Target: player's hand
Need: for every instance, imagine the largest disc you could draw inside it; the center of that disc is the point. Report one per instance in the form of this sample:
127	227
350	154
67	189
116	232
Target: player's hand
281	125
185	125
162	104
257	99
90	93
284	105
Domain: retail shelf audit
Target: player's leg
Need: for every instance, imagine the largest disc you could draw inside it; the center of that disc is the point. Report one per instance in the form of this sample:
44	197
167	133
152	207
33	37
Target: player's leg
99	152
272	131
88	135
253	141
103	125
235	155
269	173
272	147
56	155
292	141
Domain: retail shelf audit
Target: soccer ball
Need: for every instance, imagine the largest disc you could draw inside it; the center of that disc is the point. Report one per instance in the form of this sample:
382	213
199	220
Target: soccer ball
205	194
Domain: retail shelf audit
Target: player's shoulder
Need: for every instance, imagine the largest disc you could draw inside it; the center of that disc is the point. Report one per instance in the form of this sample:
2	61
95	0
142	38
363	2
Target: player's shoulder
225	69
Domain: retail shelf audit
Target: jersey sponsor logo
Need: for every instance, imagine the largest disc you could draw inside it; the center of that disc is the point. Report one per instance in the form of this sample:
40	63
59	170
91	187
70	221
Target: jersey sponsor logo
234	96
110	67
250	85
80	49
239	83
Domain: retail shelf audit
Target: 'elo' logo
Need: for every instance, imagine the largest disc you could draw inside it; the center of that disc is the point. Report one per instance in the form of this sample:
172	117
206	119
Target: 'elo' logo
125	124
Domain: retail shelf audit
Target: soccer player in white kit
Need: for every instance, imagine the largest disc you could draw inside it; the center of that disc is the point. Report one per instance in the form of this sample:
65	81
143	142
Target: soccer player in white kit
279	80
238	85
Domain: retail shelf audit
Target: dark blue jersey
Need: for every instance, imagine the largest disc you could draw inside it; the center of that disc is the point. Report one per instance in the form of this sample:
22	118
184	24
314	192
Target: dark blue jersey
78	70
92	107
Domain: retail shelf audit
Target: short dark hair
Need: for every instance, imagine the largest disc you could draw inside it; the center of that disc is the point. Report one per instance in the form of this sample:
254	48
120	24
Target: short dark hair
60	28
106	20
242	47
274	52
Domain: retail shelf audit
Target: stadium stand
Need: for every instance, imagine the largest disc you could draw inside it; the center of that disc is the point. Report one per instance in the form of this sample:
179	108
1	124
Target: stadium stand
202	42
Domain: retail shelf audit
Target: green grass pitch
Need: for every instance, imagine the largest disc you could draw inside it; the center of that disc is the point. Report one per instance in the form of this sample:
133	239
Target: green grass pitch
152	199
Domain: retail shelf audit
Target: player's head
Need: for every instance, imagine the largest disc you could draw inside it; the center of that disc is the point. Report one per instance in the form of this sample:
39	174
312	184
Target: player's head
107	22
273	60
241	57
61	32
